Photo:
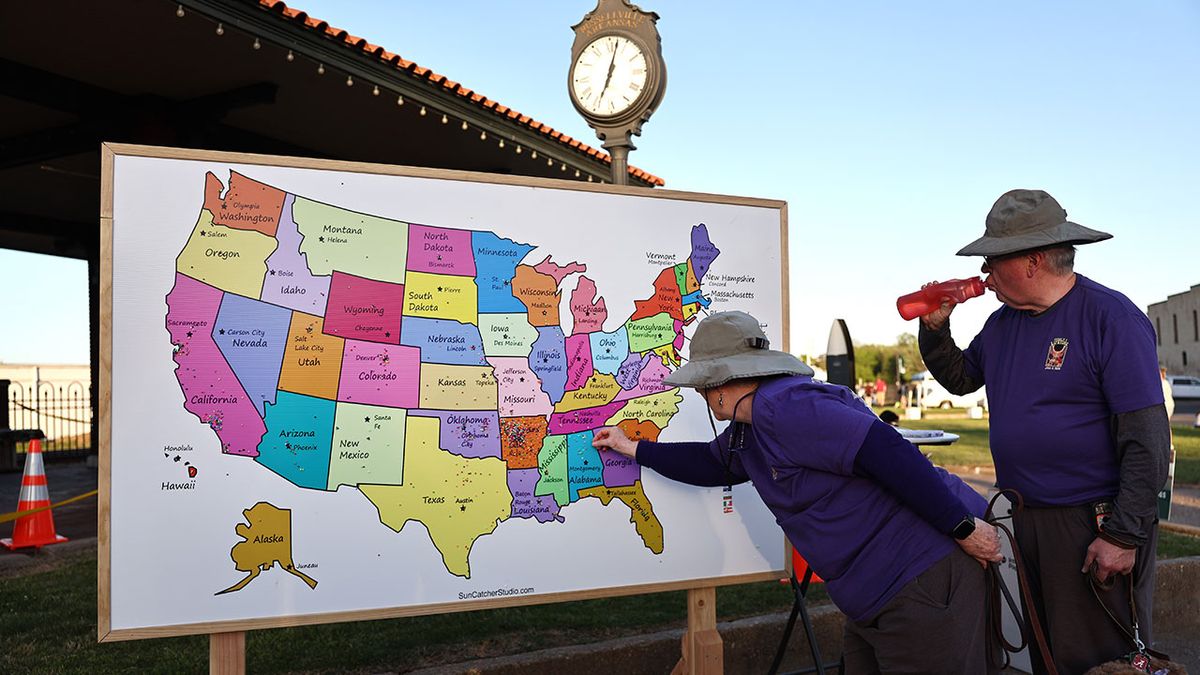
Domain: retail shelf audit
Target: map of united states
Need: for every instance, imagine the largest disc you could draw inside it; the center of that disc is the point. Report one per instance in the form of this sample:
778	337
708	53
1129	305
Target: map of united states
430	368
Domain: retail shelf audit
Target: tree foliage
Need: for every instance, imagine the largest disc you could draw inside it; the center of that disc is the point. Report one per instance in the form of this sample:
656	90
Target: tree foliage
886	361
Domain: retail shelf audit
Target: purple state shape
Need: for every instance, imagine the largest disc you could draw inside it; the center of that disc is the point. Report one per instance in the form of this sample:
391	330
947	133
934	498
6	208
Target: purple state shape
210	389
521	483
703	251
650	381
471	434
443	341
584	419
289	282
631	370
252	336
440	250
548	360
619	470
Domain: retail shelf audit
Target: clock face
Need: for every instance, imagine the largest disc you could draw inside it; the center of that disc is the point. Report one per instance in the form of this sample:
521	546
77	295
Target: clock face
609	75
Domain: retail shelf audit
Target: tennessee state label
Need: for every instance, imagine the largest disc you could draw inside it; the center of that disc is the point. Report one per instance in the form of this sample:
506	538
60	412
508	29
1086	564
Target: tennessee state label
1056	354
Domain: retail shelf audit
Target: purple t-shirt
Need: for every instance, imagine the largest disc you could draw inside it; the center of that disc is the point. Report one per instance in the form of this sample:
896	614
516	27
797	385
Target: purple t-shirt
799	452
1054	382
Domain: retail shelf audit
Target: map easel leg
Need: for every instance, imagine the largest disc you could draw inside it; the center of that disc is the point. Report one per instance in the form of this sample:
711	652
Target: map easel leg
227	654
703	651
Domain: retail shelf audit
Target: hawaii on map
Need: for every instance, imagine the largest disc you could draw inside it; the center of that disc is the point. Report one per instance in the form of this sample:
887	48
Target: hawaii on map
433	369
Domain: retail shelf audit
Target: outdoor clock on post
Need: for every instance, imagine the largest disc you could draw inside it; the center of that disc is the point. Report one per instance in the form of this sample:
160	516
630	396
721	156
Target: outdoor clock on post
617	76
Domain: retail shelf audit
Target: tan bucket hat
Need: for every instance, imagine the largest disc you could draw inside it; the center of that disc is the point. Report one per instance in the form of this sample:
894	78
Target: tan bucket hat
731	346
1026	219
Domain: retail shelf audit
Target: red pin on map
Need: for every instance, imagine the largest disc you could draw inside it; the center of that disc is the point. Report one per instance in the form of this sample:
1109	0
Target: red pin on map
191	472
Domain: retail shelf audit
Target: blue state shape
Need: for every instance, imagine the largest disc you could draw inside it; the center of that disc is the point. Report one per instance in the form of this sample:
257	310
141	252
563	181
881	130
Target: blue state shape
496	263
695	297
298	439
443	341
252	336
609	350
584	468
548	360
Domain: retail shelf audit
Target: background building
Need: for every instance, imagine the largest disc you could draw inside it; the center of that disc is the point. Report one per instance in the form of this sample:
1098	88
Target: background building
1177	326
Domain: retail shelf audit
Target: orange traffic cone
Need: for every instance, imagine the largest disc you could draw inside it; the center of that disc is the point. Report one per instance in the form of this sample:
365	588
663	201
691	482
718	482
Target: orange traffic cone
35	529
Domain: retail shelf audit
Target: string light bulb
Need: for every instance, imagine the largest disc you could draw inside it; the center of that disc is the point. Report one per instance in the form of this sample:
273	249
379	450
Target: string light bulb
483	135
464	125
549	162
502	142
179	11
445	119
533	155
291	57
320	68
589	178
422	111
375	91
564	167
220	29
577	173
349	81
257	44
518	149
399	100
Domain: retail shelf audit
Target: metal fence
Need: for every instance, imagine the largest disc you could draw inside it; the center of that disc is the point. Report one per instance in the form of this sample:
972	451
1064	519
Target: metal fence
62	411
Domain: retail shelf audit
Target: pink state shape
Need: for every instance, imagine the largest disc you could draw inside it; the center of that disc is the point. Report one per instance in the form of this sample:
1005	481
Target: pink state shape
579	361
650	381
375	374
211	391
520	390
440	250
678	334
559	273
588	312
584	419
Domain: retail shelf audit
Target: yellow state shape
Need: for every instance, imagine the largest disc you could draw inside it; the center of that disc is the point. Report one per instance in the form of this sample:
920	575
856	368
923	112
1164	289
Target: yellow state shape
445	387
457	499
225	258
690	309
441	296
647	525
658	409
600	388
266	540
354	243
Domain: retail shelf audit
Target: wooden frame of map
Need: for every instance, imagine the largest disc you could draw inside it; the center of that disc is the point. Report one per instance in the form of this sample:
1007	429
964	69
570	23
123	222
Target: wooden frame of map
336	391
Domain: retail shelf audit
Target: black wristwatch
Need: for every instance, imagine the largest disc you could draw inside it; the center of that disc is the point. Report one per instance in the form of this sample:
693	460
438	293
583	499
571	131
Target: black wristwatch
964	528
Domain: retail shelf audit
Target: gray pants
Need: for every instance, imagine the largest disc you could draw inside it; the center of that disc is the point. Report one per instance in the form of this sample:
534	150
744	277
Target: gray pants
934	625
1080	635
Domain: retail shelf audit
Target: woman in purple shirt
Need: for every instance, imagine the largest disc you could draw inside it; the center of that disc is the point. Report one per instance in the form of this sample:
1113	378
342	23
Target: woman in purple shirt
899	542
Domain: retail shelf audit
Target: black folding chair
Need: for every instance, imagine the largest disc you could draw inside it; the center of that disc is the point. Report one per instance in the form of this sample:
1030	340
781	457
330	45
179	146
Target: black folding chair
800	586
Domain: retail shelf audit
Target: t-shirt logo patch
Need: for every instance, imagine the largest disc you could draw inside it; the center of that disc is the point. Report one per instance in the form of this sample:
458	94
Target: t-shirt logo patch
1058	352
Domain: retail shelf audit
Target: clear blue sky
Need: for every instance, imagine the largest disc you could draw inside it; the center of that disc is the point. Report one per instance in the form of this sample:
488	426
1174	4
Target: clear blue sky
890	128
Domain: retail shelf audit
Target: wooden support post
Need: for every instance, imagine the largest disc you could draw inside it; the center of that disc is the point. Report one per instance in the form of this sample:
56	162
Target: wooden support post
227	653
703	651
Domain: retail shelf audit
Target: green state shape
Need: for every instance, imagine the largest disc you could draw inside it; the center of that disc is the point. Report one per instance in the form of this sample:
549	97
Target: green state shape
349	242
681	277
552	467
368	445
651	332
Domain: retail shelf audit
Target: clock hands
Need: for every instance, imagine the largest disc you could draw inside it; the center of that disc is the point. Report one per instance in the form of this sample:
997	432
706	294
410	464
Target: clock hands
612	63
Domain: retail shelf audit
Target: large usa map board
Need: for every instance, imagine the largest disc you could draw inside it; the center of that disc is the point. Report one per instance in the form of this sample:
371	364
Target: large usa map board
343	391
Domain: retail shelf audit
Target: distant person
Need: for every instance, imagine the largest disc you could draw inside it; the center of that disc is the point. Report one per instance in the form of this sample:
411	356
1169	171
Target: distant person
890	418
1078	424
880	392
898	542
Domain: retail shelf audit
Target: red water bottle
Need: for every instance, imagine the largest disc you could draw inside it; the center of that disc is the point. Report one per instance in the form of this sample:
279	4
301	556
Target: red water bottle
932	296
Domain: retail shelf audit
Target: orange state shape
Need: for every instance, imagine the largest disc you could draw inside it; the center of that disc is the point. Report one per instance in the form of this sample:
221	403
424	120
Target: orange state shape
666	298
540	295
521	439
640	431
312	360
248	205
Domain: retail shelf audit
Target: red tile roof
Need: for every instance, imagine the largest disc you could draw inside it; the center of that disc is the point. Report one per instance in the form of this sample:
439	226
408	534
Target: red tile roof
436	79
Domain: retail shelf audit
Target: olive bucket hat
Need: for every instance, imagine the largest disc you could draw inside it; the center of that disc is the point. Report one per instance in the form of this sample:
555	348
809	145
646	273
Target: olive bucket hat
1026	219
731	346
